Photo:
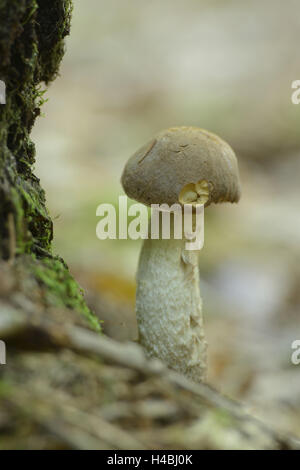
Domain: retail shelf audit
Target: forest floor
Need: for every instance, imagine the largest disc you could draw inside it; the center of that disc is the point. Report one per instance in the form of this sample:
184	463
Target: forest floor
65	386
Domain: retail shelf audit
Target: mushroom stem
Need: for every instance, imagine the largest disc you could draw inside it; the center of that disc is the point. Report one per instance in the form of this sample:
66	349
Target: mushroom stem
169	305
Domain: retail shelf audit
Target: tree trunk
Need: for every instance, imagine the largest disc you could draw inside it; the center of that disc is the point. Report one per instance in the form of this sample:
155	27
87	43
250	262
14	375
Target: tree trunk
32	36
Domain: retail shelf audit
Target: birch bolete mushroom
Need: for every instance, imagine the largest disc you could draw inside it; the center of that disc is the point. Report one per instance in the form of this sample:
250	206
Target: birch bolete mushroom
184	165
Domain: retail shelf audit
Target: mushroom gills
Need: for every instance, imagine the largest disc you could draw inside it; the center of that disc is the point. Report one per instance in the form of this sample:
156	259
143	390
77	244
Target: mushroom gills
195	193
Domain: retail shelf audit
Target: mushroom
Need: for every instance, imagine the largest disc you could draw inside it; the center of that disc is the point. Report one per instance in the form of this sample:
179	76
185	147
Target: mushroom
184	165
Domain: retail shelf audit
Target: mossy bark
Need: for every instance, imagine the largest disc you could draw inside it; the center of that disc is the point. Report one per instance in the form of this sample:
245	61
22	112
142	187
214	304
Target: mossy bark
32	45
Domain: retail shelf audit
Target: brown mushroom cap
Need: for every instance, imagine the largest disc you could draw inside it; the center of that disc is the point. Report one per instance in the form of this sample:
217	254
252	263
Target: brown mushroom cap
179	158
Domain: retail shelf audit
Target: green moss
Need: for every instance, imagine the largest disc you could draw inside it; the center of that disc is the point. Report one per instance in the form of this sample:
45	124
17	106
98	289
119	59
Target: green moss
32	34
61	289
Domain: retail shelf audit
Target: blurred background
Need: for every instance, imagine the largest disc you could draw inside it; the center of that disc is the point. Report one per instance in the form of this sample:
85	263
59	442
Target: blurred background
134	67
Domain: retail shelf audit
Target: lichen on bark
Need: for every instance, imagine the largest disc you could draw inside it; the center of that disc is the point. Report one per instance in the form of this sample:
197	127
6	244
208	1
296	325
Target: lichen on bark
32	34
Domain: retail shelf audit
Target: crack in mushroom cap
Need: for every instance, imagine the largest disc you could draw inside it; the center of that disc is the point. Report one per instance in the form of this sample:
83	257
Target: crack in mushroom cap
182	157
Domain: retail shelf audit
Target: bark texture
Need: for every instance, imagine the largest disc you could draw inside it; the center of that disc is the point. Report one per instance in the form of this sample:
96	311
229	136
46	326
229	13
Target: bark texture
32	34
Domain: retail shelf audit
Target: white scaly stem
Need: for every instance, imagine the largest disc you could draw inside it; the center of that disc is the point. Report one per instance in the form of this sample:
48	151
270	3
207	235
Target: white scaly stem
169	306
